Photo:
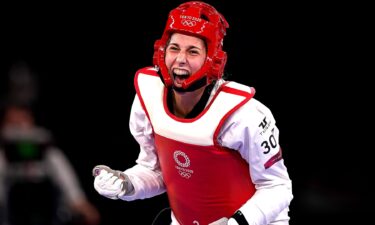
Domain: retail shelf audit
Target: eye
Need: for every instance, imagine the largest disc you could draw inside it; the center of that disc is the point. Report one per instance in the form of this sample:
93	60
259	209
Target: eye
194	52
172	48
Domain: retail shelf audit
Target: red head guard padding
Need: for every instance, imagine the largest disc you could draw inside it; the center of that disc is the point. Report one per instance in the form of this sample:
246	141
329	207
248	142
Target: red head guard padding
201	20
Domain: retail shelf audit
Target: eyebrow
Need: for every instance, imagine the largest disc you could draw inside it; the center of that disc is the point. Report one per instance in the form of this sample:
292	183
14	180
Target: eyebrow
189	47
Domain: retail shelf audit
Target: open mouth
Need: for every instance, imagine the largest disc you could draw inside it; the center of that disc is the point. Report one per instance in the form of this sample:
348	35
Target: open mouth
179	76
176	76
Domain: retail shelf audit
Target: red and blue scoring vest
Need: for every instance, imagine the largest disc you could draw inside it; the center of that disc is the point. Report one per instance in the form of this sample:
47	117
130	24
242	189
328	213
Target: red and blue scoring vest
204	181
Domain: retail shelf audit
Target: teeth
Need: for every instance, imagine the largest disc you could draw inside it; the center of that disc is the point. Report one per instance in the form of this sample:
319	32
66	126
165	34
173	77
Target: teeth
180	72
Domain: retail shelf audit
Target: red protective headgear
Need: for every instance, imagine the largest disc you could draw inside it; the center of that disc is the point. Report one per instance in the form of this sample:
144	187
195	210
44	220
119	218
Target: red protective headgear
201	20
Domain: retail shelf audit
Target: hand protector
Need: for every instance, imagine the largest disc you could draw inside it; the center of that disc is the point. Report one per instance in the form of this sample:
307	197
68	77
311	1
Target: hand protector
110	183
224	221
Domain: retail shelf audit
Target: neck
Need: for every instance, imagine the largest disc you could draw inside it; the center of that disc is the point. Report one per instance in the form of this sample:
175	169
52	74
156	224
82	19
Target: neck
184	102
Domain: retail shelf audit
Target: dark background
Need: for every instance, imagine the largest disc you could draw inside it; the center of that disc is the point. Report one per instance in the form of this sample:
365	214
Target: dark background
295	55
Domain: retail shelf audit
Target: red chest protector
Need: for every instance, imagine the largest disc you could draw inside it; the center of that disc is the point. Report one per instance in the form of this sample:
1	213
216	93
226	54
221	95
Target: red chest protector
204	180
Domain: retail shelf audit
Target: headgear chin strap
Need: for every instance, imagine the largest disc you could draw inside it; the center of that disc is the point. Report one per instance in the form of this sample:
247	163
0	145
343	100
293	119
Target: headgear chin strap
201	20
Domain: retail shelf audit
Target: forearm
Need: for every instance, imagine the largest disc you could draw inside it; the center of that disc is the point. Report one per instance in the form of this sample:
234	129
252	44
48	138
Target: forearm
147	183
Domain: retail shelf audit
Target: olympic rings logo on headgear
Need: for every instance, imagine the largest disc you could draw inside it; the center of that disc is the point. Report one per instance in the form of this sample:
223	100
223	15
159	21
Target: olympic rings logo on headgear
184	174
178	153
189	23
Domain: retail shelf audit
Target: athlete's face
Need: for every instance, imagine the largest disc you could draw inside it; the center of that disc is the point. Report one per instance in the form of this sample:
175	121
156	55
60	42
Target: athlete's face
184	56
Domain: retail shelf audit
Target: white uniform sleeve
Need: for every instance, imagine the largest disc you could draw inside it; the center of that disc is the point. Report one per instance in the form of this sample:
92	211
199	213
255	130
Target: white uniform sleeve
252	131
146	174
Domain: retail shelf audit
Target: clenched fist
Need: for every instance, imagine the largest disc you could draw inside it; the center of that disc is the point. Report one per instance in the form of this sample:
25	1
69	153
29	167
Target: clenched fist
224	221
111	183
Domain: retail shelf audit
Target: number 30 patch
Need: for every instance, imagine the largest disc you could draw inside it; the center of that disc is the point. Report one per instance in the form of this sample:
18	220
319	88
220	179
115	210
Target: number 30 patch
270	143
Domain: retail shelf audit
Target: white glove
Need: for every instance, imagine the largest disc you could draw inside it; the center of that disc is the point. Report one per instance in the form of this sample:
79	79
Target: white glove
110	183
224	221
232	221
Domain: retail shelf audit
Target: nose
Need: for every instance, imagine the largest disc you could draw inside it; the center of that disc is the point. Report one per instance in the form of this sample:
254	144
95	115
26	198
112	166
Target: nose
181	57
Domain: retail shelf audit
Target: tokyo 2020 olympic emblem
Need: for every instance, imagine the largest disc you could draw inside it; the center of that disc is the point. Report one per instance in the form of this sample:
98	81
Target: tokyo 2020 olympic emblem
183	162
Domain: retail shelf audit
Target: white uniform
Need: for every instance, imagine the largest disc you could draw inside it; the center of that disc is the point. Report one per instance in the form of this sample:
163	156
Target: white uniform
252	131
